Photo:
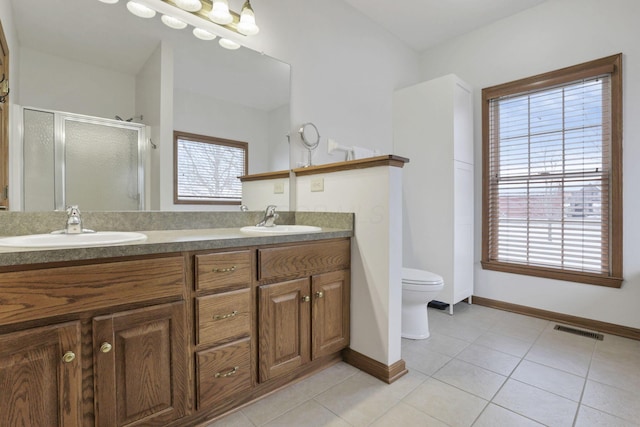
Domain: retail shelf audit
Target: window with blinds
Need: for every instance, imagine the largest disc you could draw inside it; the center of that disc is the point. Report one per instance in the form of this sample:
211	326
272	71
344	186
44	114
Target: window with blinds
207	169
551	174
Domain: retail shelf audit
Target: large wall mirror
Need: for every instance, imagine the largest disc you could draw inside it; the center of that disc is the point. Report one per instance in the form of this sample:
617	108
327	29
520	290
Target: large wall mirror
98	60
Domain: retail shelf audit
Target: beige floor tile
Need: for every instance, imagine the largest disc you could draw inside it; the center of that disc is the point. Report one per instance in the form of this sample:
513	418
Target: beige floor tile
575	362
493	360
237	419
424	361
567	341
589	417
550	379
273	406
325	379
620	374
614	401
533	323
309	414
473	379
520	330
503	343
361	399
539	405
496	416
613	345
446	403
449	346
405	415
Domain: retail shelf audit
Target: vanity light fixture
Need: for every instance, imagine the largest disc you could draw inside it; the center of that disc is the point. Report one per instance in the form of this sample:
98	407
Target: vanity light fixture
202	15
172	22
140	10
228	44
220	12
203	34
247	24
188	5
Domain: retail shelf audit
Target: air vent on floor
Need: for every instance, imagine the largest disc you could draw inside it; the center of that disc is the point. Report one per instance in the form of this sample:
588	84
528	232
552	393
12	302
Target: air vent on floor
587	334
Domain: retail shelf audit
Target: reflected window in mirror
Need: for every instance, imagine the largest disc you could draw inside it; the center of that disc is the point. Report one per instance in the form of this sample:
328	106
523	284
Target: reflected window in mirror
206	169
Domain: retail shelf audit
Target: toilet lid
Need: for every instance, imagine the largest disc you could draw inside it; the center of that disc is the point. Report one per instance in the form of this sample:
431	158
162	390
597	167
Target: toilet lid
420	277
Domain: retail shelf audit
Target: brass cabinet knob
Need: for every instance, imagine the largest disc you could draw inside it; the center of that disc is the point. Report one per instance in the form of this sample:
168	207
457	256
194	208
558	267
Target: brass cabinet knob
68	357
306	298
106	347
320	294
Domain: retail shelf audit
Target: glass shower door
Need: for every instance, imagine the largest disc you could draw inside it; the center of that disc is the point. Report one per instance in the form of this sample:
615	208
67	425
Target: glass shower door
71	159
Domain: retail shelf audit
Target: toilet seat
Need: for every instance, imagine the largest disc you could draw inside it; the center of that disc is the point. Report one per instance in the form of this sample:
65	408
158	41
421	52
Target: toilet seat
412	276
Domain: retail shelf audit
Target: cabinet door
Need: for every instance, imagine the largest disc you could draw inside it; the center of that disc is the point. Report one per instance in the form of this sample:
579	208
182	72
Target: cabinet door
330	322
284	315
41	377
140	364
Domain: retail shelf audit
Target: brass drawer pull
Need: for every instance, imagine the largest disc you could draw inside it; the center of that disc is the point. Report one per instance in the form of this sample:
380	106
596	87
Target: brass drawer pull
320	294
225	316
224	270
68	357
306	298
227	374
105	347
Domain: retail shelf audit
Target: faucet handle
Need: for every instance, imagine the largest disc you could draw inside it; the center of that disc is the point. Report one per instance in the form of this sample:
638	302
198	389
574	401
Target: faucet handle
73	210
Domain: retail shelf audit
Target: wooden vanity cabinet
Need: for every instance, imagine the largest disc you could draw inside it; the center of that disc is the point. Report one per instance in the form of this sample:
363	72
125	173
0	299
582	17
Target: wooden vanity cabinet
224	319
41	377
302	319
121	360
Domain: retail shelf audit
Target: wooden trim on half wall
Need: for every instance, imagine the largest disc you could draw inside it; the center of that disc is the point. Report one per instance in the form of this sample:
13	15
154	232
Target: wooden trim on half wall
594	325
374	368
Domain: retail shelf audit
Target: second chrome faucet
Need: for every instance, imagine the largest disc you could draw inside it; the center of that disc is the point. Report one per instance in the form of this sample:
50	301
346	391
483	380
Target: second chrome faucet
270	217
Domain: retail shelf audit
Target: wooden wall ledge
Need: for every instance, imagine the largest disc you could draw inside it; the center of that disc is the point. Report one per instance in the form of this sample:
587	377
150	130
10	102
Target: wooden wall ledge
265	176
370	162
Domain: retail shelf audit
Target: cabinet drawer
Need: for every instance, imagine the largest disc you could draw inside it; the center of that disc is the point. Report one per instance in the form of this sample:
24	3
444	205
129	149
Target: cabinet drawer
223	270
303	260
36	294
223	316
223	371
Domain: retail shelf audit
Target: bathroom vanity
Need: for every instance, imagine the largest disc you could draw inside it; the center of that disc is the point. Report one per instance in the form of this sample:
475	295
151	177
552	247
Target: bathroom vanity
170	332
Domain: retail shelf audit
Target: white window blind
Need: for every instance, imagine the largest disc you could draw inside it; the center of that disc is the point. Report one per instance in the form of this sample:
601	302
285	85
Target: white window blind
549	167
207	171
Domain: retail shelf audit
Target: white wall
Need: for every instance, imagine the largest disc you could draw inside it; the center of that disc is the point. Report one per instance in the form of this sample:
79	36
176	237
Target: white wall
344	69
375	196
55	83
553	35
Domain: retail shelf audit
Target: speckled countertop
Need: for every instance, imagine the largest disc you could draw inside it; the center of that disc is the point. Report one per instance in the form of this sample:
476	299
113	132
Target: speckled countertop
166	232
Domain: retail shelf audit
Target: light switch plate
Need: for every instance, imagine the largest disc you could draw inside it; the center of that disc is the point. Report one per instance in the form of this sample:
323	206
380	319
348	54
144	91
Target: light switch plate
278	188
317	184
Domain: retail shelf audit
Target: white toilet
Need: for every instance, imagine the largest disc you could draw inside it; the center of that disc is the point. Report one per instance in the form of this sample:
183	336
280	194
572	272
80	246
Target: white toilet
419	287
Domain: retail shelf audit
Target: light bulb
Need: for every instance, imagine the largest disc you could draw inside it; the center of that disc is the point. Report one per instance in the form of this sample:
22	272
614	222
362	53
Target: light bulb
172	22
203	34
220	12
109	1
228	44
140	10
247	24
189	5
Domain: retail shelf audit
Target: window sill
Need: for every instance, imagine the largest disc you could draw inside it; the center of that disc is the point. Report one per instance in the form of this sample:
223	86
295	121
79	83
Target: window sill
550	273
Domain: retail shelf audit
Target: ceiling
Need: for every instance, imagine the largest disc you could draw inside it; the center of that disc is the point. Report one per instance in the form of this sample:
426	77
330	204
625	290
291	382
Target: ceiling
422	24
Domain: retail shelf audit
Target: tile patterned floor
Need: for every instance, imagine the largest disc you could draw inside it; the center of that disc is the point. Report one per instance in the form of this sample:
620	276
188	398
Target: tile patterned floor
480	367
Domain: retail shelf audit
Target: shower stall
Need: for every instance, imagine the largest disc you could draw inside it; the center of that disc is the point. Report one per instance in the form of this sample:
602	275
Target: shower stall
70	159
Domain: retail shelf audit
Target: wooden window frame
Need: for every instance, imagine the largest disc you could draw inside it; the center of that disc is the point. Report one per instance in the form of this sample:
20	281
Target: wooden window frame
208	140
613	65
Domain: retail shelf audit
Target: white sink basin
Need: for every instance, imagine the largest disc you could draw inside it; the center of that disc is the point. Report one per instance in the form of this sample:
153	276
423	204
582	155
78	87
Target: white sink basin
281	229
100	238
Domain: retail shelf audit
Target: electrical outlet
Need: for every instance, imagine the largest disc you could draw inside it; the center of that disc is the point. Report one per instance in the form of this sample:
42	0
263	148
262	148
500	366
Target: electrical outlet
317	184
278	188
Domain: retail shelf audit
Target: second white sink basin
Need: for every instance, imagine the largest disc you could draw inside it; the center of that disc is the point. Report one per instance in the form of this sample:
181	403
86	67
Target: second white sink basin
100	238
285	229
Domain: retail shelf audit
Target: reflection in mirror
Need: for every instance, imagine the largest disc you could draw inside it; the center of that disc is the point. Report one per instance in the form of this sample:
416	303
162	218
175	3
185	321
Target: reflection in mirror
91	58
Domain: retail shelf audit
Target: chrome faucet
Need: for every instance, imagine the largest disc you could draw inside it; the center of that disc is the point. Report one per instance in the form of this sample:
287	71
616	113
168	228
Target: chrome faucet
270	216
74	221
